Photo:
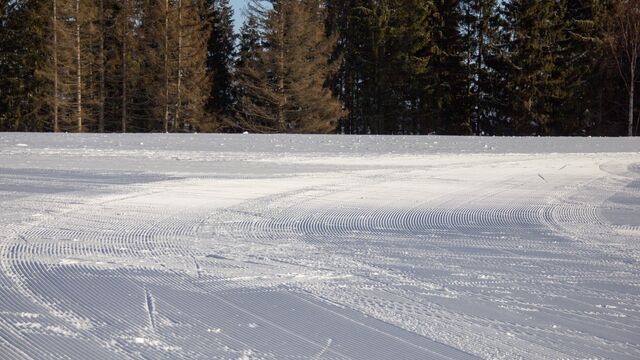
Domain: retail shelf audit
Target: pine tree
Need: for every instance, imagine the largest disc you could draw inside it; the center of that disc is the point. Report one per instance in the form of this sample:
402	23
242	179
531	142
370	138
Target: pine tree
283	87
128	69
367	59
125	19
480	33
157	85
111	66
220	58
385	49
250	41
192	85
101	65
536	83
68	75
408	48
582	50
447	85
550	67
22	30
348	21
413	43
249	48
605	88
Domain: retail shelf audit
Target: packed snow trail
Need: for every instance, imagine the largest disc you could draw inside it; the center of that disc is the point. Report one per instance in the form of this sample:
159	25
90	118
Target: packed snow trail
318	247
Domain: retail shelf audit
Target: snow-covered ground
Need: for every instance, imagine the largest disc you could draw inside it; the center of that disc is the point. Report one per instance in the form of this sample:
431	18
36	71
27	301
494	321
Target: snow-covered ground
314	247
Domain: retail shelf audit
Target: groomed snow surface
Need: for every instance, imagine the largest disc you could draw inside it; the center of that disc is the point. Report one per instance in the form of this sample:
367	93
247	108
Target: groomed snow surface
318	247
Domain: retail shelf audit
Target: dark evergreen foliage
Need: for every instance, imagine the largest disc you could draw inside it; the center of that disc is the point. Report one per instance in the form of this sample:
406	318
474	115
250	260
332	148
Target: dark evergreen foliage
220	58
514	67
21	52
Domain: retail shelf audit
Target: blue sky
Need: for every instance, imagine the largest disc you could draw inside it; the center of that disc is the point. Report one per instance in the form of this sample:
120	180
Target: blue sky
238	8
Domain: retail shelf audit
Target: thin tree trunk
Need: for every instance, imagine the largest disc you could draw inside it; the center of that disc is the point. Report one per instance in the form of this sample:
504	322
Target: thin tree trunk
631	96
470	31
124	65
166	66
78	69
624	41
479	66
56	127
179	94
102	70
376	64
283	98
600	108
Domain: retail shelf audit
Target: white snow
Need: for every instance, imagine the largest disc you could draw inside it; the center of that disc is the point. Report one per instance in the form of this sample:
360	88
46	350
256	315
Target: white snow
274	247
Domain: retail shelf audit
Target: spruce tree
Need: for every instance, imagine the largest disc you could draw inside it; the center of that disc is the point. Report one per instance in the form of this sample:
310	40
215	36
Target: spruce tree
409	50
249	48
537	83
418	52
220	58
447	86
125	20
348	21
157	40
372	61
68	77
385	49
550	67
582	51
22	30
192	86
283	88
169	90
481	36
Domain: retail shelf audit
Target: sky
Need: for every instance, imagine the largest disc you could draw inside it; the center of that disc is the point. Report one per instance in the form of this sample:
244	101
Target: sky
238	12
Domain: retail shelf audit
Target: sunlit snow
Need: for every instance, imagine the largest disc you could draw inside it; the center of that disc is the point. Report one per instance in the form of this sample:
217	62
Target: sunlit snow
329	247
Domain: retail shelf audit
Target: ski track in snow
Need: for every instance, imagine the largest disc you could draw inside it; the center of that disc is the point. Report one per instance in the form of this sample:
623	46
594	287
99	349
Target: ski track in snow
318	247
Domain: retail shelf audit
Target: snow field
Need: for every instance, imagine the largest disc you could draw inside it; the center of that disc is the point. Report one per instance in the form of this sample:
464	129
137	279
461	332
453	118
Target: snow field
297	247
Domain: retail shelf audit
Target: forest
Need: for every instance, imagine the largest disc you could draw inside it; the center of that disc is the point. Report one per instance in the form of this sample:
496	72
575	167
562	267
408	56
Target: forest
463	67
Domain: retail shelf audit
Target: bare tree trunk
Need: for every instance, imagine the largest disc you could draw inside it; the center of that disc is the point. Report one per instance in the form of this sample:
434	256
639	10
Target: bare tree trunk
479	65
179	101
125	34
56	126
600	108
624	41
631	96
376	64
283	97
166	66
78	69
102	65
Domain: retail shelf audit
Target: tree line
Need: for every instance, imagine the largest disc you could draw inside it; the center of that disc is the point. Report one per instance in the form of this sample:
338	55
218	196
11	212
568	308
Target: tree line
515	67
